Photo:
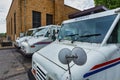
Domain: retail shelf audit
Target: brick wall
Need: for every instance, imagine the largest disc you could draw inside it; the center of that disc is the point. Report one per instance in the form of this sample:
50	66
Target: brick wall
24	8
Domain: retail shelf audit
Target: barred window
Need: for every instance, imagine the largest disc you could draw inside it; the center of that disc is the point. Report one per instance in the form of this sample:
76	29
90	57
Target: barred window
49	19
36	19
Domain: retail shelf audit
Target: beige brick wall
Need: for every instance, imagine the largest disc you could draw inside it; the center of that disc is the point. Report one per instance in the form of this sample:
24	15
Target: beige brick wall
44	6
24	8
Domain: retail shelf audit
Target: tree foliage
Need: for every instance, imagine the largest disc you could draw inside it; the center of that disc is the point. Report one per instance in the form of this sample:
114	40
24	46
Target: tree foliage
2	34
110	4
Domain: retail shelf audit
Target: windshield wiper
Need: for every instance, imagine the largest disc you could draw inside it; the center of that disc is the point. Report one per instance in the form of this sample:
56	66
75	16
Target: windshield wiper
90	35
72	35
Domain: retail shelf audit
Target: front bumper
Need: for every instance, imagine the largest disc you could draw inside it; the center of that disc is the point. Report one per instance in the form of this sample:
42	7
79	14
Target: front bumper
30	75
16	45
25	54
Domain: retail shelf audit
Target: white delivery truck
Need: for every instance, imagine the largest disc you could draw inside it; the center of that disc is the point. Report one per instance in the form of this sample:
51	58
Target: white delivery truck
87	48
26	36
40	39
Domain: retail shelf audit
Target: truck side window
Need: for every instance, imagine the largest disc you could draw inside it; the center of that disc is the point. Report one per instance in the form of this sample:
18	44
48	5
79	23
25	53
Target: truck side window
115	36
47	34
53	35
118	32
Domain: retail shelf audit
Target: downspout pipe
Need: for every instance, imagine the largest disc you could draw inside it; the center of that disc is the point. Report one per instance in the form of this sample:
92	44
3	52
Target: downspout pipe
25	14
20	15
54	11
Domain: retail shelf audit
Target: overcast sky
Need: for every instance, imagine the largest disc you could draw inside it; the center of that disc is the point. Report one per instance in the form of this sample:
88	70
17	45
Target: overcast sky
5	5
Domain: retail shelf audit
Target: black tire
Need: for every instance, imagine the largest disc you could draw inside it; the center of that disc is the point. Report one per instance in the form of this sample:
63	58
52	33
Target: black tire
30	75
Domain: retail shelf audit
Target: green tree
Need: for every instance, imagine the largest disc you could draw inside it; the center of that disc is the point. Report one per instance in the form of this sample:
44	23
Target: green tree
2	34
110	4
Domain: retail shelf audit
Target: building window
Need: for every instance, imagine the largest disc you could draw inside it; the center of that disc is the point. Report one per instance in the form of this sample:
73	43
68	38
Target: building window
15	23
9	28
49	19
11	25
36	19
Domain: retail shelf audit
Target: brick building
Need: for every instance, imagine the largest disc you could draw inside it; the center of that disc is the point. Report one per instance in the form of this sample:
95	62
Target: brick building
26	14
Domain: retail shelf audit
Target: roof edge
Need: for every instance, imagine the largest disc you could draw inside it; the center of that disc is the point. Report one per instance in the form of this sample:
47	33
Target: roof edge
71	7
92	10
9	8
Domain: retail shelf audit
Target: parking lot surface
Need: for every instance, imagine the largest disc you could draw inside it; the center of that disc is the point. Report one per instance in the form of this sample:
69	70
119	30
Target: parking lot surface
13	65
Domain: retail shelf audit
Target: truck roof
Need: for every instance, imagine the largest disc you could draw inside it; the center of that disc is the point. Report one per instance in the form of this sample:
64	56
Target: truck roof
32	29
51	25
101	14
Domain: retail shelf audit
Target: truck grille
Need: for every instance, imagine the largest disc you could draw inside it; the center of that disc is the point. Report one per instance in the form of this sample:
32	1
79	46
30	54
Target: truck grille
41	74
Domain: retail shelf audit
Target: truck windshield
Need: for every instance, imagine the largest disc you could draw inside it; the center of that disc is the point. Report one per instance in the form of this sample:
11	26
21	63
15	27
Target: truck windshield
35	31
90	30
29	32
41	32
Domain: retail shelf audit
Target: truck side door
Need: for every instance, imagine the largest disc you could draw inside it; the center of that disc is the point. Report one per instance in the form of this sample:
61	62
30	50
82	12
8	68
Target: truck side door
113	73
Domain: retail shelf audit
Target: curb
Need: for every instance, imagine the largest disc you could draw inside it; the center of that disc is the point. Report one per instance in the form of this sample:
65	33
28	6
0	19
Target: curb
4	48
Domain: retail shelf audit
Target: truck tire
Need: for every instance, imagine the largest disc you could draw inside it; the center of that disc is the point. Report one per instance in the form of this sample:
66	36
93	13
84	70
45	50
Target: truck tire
30	75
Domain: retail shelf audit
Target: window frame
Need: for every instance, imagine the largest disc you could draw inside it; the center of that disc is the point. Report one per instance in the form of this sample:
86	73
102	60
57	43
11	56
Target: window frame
49	19
36	19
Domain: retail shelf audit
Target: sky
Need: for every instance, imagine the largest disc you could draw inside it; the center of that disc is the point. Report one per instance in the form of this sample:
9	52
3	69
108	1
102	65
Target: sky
5	5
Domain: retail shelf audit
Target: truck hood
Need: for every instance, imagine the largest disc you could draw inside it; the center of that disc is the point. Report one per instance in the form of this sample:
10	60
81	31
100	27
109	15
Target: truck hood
35	40
51	52
47	57
23	38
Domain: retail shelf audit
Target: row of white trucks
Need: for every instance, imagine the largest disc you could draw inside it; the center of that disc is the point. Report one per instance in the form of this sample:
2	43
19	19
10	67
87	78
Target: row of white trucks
36	39
86	48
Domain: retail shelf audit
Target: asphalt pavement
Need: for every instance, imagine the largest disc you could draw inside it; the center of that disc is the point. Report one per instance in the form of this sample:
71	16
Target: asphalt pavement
13	65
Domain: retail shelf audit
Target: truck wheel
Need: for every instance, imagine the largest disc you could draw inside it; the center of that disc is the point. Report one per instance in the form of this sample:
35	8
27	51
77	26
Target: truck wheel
30	75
